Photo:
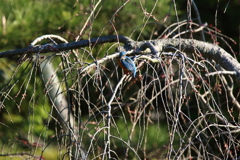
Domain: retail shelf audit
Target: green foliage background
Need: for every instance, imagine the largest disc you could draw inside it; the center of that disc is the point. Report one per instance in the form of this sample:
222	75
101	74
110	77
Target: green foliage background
28	19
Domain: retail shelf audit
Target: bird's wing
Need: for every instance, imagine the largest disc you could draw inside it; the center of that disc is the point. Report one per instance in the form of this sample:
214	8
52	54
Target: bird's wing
129	64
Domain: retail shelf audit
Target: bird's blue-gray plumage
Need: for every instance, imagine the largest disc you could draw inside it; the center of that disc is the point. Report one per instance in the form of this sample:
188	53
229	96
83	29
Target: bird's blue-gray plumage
127	63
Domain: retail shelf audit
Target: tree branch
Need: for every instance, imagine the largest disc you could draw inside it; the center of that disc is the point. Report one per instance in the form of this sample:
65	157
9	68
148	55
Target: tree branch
208	50
68	46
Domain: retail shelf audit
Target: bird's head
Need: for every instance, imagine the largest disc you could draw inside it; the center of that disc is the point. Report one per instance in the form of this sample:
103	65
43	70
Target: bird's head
122	53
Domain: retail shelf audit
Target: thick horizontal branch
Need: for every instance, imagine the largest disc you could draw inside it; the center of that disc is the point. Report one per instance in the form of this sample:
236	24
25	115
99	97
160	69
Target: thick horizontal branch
208	50
68	46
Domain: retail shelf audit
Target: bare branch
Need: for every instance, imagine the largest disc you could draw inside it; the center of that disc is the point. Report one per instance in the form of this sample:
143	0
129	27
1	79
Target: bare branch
210	51
68	46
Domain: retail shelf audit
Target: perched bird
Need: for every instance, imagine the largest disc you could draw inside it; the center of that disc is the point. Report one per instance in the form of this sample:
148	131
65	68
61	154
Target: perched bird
127	64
